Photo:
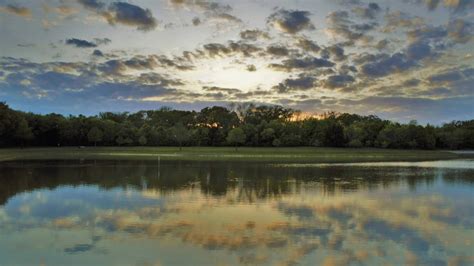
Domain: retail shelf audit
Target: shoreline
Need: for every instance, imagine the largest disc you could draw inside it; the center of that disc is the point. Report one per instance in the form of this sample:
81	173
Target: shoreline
260	154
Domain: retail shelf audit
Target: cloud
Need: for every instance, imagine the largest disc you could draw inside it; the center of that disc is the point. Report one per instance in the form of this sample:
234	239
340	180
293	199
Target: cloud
302	64
205	6
369	12
214	11
122	13
427	33
253	35
130	15
403	108
338	81
397	19
277	50
460	31
251	68
308	45
454	5
100	41
91	4
335	52
221	90
16	10
226	17
213	50
446	77
387	64
382	64
459	5
97	53
301	83
339	25
80	43
291	21
196	21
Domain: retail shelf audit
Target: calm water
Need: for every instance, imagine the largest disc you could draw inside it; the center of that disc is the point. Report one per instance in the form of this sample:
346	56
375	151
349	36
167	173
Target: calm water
192	213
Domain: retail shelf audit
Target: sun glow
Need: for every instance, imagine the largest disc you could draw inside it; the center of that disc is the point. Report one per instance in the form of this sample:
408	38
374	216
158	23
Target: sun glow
227	73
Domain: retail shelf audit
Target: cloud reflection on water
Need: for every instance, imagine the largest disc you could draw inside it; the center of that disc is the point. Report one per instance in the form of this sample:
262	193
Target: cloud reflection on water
302	216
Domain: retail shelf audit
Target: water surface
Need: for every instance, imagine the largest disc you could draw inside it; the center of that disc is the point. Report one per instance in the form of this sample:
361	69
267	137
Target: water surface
202	213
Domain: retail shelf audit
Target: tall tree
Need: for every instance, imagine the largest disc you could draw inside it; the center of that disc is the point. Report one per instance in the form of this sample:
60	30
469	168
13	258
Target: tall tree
236	137
23	132
180	134
95	135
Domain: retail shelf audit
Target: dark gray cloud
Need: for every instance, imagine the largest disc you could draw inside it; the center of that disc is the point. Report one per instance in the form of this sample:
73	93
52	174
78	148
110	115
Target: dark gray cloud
291	21
419	50
295	84
253	35
364	26
219	50
446	77
92	4
122	13
335	52
196	21
308	45
277	50
176	63
382	44
251	68
338	81
306	63
411	83
80	43
383	64
130	15
387	64
221	90
98	53
427	33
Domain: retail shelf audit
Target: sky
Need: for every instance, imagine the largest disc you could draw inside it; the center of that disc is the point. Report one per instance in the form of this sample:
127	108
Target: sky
400	60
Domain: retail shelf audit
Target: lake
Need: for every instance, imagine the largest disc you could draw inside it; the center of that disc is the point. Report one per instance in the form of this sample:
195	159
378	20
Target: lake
236	213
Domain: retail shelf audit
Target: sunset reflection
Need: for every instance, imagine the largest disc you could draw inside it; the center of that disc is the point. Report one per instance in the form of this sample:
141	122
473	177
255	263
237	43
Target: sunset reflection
299	215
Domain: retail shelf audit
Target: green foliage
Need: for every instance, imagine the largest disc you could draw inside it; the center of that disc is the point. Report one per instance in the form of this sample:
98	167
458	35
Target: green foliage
180	134
95	135
236	137
142	140
23	131
212	126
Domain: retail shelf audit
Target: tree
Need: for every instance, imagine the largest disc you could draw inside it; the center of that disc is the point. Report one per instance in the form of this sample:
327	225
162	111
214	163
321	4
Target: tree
95	135
142	140
236	137
180	134
23	132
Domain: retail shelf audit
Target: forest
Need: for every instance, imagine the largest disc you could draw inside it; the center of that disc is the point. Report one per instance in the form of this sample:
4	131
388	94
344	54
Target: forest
244	124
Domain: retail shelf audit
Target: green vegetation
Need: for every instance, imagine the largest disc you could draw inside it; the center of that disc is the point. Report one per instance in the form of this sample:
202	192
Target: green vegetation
300	155
239	125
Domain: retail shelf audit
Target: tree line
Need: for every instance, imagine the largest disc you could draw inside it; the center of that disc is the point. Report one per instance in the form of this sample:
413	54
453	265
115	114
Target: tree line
237	125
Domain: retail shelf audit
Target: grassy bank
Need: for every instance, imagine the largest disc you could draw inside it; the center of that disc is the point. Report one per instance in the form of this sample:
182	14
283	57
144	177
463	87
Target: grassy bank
300	155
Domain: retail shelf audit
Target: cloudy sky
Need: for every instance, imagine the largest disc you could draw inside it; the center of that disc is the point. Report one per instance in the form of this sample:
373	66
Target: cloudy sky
401	60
